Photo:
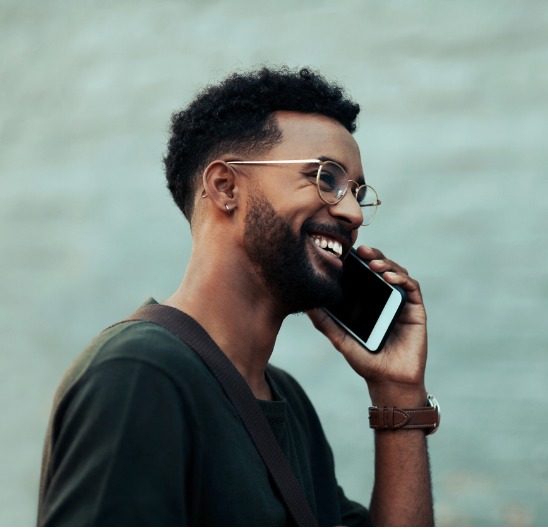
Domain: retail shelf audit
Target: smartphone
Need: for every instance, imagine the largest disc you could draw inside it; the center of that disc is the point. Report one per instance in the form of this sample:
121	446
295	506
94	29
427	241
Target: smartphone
369	307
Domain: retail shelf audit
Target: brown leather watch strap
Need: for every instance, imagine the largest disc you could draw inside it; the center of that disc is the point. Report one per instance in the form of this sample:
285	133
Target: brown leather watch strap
391	418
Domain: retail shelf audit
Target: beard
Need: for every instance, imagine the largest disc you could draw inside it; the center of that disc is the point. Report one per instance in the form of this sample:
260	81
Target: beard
281	258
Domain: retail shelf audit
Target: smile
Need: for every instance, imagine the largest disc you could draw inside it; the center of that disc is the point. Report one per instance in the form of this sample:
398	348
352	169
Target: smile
329	245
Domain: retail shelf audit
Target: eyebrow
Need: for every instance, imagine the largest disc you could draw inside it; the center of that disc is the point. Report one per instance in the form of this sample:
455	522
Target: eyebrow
360	179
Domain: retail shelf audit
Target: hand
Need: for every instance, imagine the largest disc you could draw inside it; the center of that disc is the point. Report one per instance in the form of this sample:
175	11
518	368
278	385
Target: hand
395	375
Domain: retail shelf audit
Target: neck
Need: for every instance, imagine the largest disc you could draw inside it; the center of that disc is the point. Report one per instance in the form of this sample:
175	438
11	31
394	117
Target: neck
237	312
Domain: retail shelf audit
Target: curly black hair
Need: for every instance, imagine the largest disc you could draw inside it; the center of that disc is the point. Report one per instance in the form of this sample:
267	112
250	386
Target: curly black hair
236	116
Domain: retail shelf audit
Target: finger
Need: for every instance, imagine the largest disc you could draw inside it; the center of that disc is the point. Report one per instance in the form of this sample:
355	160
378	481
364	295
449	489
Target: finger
386	265
411	286
368	253
374	255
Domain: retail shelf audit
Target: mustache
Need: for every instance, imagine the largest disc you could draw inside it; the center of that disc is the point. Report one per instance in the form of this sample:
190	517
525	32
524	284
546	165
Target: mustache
334	229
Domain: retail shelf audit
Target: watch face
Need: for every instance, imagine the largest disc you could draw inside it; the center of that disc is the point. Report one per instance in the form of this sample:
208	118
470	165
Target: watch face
435	404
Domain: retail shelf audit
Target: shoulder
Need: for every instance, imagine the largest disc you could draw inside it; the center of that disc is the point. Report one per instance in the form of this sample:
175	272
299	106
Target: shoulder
137	343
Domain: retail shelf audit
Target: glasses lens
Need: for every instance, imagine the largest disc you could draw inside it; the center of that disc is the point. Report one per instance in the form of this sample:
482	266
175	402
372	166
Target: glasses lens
368	200
332	182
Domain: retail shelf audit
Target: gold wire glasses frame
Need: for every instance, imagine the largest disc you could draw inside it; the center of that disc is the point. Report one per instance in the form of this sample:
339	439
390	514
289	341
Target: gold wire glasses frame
332	183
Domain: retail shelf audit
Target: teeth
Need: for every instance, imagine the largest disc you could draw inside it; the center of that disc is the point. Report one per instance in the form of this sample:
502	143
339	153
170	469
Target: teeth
334	246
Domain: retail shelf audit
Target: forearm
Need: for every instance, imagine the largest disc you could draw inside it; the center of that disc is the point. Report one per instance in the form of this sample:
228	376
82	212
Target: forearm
402	493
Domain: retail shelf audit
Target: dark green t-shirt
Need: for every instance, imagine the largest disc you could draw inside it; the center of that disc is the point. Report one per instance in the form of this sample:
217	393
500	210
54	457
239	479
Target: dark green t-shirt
142	434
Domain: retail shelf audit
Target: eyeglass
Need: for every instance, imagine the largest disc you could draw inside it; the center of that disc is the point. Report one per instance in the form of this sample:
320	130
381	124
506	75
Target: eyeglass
333	183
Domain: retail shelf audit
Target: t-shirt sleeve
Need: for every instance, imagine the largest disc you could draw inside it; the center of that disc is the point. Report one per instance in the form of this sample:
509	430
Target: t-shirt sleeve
119	452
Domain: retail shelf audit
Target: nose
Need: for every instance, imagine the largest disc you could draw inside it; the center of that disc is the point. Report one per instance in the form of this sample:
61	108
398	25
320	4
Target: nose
348	210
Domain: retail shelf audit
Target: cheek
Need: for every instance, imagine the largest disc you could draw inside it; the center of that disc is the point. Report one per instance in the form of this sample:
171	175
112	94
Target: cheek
295	202
304	205
298	220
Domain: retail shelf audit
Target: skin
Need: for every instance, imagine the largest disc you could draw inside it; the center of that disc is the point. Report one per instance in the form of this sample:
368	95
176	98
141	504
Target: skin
236	306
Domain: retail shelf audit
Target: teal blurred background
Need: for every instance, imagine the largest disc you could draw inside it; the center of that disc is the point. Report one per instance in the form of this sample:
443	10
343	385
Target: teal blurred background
453	133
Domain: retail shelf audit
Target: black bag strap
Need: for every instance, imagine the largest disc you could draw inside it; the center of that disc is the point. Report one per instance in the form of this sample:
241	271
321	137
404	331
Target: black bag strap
193	334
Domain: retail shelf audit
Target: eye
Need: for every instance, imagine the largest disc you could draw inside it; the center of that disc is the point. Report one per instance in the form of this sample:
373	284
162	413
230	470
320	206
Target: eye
311	177
328	181
360	193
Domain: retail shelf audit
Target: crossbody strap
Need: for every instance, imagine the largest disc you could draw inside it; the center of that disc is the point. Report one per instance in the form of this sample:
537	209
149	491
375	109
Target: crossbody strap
239	393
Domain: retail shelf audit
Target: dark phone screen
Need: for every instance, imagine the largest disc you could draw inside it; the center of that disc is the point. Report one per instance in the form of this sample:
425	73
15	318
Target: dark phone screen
364	298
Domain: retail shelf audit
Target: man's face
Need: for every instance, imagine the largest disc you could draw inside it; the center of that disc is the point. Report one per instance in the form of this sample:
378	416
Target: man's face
287	223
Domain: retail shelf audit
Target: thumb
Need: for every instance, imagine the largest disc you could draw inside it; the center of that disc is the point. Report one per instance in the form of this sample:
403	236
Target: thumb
327	326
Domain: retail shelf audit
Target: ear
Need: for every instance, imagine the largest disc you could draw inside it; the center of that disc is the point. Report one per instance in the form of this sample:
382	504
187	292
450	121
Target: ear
220	185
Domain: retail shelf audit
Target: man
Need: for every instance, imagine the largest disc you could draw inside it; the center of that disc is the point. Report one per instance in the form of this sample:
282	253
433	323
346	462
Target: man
142	433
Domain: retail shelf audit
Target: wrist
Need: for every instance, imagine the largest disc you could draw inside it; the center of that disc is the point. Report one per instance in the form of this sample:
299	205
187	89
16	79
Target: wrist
395	394
395	418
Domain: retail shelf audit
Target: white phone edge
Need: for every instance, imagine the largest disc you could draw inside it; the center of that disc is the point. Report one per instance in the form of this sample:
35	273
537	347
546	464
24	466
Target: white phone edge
385	319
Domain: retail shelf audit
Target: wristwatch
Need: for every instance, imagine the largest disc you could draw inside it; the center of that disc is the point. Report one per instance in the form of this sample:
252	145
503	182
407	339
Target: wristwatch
390	418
